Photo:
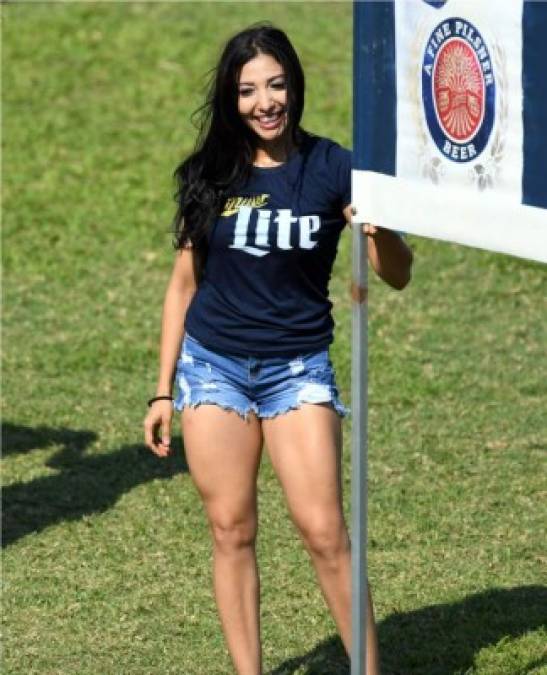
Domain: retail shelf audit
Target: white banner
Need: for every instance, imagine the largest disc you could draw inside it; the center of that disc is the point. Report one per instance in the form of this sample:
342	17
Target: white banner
461	161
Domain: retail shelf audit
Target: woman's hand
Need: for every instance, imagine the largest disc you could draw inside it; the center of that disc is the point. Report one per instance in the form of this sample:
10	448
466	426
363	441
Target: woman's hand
157	420
369	229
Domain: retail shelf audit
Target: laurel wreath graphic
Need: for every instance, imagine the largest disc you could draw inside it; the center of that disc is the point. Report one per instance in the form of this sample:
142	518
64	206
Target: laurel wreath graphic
483	174
486	175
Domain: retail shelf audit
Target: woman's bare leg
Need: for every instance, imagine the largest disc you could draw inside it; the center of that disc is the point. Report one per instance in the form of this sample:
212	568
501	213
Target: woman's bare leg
304	446
223	453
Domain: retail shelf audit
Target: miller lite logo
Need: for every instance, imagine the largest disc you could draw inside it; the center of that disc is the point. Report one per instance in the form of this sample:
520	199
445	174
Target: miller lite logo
458	89
256	232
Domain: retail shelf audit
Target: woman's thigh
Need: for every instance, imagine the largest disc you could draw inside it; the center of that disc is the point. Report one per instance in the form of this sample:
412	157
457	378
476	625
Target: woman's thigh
305	447
223	452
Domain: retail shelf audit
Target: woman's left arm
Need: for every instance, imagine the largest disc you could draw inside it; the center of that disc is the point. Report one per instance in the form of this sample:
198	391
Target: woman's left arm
388	253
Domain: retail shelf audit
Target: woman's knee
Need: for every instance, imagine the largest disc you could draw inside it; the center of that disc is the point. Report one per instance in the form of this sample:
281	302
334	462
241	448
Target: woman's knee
231	534
325	538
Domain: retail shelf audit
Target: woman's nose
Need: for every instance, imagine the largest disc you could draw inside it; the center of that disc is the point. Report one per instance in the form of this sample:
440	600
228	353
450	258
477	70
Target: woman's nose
265	102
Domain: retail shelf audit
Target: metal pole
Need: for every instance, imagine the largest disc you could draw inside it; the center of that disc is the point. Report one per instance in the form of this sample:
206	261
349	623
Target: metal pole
359	356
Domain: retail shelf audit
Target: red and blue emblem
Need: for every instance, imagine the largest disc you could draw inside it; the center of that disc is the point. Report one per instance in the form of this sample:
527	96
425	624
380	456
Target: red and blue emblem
458	89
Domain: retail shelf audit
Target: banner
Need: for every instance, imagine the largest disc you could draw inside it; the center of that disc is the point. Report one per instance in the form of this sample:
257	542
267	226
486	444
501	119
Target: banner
450	121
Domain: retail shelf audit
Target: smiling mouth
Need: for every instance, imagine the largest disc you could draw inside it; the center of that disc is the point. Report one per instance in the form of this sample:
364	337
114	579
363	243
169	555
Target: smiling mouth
271	121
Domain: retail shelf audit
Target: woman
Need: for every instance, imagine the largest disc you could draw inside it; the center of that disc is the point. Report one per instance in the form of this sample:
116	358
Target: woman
262	204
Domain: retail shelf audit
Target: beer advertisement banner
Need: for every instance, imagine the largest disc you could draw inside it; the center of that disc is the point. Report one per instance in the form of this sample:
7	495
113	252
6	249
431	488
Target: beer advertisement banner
450	121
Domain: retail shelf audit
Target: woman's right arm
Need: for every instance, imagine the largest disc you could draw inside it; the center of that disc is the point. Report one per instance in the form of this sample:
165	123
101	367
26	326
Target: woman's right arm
180	291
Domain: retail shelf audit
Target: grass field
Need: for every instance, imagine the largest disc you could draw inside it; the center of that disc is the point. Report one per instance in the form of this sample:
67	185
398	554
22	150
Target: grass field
107	558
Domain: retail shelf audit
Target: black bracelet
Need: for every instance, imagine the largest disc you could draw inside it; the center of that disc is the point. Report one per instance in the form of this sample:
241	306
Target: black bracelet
159	398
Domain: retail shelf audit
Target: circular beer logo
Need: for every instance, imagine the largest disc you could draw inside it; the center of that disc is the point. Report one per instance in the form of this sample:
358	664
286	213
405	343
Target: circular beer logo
458	90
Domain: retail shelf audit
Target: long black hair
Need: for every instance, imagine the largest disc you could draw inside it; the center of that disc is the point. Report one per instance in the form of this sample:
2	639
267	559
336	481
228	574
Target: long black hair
225	146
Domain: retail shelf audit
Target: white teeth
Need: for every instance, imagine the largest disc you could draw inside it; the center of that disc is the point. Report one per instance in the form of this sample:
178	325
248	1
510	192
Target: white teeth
269	118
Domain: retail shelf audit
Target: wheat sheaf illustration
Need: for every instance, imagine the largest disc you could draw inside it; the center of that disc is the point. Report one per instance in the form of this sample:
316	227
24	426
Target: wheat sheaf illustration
459	91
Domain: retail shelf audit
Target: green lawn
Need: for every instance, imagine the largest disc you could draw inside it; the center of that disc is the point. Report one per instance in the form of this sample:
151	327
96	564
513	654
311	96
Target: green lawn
107	557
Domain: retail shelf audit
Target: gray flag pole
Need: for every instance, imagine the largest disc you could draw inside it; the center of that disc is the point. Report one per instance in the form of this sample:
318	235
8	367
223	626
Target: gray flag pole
359	356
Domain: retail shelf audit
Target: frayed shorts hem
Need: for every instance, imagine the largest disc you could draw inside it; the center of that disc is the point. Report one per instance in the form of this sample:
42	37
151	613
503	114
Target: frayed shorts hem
338	407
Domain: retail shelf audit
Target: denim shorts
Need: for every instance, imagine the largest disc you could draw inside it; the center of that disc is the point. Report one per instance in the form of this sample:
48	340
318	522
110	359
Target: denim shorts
268	386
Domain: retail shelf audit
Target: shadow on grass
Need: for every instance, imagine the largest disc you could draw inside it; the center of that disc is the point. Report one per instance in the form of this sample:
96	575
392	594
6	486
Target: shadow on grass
18	439
445	639
84	484
326	658
440	639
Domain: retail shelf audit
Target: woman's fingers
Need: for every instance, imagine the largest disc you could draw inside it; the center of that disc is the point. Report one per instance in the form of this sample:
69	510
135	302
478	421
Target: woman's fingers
159	418
166	432
370	229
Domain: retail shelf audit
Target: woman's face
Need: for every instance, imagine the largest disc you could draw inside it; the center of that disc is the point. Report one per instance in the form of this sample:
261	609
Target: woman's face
262	97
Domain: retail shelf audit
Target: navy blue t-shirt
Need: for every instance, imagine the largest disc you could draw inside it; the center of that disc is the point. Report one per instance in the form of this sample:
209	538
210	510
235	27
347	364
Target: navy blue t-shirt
264	291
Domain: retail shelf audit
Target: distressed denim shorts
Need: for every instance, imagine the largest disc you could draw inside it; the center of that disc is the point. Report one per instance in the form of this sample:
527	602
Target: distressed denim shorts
268	386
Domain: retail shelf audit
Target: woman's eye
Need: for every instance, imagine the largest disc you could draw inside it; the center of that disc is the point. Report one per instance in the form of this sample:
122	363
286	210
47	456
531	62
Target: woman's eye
279	85
245	92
